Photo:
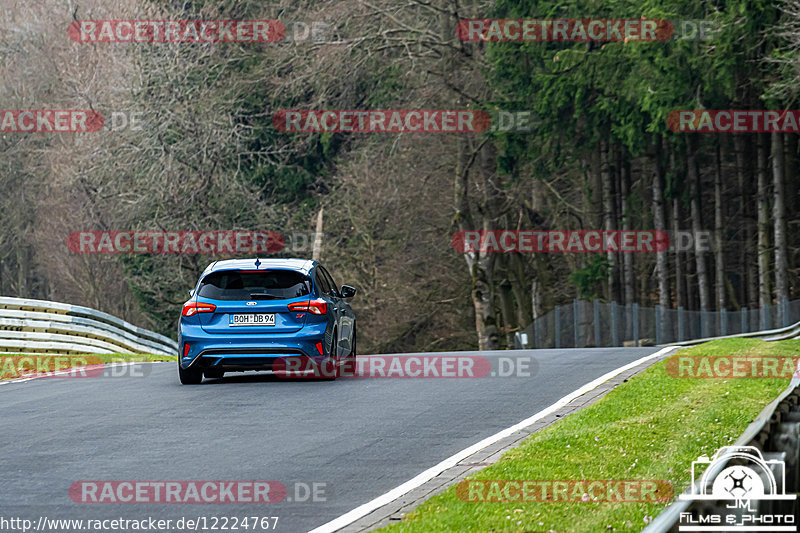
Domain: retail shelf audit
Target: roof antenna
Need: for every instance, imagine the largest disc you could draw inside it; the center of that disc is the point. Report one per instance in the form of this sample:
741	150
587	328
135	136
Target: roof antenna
257	262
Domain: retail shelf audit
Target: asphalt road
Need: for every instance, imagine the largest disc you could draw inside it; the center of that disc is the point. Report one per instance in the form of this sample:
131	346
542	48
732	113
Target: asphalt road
358	437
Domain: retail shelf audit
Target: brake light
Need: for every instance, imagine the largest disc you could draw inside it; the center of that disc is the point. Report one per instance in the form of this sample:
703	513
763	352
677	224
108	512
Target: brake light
298	306
192	308
315	307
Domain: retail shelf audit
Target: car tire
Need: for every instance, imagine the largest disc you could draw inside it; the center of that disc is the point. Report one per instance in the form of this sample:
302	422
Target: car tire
329	374
353	349
190	376
213	373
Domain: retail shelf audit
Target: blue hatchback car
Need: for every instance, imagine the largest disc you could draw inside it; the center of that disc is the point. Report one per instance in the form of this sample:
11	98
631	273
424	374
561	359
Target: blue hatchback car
254	314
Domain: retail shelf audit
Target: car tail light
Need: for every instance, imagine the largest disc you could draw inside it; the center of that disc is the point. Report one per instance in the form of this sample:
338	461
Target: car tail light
192	308
315	307
186	349
319	348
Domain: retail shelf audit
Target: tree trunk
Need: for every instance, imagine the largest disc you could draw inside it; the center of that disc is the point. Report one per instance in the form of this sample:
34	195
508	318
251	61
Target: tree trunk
747	249
628	266
692	299
779	225
697	226
520	290
507	311
680	298
316	253
537	304
660	224
719	255
764	292
22	271
482	299
791	184
678	257
597	186
479	263
608	218
790	175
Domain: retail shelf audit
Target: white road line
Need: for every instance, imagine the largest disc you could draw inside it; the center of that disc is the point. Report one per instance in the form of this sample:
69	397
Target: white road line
399	491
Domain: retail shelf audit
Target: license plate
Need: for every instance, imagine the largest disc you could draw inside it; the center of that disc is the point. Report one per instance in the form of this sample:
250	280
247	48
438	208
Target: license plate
252	319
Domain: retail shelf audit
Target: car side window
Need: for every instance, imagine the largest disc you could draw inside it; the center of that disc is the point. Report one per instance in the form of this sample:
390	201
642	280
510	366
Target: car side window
334	286
322	283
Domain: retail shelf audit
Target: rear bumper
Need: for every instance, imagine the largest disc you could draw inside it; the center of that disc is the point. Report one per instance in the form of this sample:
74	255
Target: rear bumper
244	351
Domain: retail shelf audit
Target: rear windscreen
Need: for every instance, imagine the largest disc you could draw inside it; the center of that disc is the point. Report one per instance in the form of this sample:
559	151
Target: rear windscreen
244	285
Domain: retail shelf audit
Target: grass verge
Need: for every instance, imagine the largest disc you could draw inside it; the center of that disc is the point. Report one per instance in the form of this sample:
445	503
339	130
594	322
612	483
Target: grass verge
13	366
650	428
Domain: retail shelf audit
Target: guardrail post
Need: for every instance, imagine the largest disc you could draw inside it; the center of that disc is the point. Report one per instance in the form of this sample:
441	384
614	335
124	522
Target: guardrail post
614	330
745	323
658	324
785	305
703	324
768	317
681	332
596	306
575	323
558	327
723	322
636	324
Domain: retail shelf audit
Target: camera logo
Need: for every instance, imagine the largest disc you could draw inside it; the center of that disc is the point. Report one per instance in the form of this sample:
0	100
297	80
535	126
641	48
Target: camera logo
755	479
738	477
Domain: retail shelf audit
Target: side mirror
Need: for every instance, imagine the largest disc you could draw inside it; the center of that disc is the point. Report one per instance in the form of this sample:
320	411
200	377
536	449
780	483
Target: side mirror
348	291
191	293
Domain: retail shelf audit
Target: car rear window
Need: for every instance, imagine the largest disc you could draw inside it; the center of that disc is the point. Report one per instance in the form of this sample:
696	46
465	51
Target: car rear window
250	285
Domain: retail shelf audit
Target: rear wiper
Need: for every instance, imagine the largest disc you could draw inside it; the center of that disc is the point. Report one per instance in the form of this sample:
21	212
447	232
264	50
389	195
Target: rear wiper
263	296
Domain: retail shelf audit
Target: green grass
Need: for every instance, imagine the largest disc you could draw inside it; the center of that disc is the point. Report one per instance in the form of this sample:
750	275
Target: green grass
651	427
10	363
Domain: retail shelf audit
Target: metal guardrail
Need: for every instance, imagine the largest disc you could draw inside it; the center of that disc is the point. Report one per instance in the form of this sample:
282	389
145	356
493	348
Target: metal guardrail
780	334
776	432
39	326
586	324
521	339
